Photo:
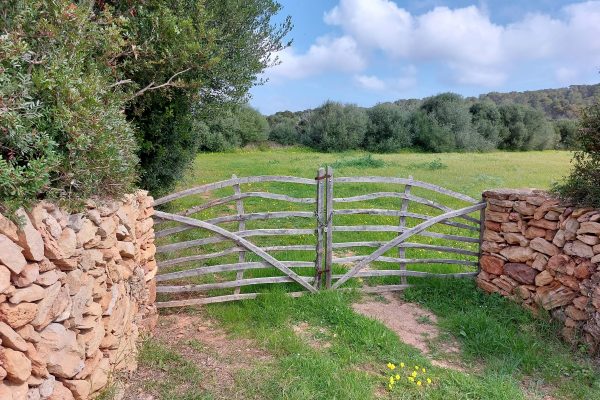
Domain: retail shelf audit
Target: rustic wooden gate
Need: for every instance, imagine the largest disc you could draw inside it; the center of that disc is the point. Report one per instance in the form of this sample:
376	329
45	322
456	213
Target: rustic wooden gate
327	270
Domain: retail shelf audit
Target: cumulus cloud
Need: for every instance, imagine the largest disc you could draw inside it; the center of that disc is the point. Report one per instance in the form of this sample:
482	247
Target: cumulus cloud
325	55
463	43
406	80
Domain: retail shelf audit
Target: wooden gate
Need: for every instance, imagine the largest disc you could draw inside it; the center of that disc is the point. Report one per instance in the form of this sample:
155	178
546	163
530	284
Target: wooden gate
194	263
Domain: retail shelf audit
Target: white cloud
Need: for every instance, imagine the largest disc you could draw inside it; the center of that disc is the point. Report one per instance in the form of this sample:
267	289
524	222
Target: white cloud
327	54
370	82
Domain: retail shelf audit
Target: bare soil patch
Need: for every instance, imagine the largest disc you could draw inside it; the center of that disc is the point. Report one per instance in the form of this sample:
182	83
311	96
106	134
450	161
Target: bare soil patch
414	325
316	337
200	341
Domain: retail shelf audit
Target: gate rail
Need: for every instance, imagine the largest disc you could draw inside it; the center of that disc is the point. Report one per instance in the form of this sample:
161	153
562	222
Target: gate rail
324	213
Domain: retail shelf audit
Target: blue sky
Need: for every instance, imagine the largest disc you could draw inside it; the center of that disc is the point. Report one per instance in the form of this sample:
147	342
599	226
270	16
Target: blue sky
370	51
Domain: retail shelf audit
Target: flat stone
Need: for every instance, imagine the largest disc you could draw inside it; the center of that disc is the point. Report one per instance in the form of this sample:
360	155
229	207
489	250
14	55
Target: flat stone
47	310
68	243
59	347
579	249
13	391
533	232
60	392
517	253
559	239
543	223
554	295
539	262
522	292
4	278
570	226
27	276
543	278
496	216
581	302
543	246
17	315
127	249
516	239
47	387
11	339
28	333
28	294
492	265
576	314
589	239
38	363
30	238
79	388
8	228
489	235
11	255
48	278
87	232
521	273
16	364
99	377
589	227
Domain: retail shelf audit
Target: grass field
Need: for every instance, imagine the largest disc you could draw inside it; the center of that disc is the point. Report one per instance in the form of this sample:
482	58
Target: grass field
506	352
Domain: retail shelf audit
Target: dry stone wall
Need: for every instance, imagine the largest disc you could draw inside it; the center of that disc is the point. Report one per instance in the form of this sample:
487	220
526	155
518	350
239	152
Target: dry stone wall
76	290
545	255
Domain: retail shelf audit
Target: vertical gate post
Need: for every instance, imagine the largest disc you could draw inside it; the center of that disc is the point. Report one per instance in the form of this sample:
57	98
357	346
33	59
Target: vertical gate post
481	229
320	226
241	226
404	209
329	232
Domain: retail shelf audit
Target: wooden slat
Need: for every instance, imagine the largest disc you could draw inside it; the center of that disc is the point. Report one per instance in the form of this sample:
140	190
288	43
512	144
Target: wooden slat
217	299
396	213
235	197
346	260
391	228
230	182
241	242
406	245
229	284
320	215
404	181
329	230
198	257
404	196
239	204
481	229
410	232
402	225
384	288
215	269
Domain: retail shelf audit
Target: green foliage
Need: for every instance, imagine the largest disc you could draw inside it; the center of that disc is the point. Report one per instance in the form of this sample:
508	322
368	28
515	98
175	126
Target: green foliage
525	129
388	129
366	161
487	121
432	165
582	186
64	134
336	127
284	128
566	131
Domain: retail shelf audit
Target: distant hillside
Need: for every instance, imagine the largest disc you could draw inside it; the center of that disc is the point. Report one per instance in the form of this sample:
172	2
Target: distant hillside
556	103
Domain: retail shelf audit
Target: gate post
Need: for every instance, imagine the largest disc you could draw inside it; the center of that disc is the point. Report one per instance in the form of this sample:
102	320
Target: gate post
320	226
481	229
329	233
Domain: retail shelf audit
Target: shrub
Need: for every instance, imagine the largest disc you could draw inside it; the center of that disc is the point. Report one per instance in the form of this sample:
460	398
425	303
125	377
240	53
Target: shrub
284	128
336	127
566	131
388	129
582	186
253	126
525	128
64	134
366	161
487	121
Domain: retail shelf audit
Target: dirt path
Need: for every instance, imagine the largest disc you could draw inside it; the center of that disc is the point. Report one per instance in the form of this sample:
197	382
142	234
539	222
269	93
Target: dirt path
414	325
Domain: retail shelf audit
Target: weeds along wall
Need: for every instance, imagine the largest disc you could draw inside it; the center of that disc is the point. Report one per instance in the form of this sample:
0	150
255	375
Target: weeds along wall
76	290
545	255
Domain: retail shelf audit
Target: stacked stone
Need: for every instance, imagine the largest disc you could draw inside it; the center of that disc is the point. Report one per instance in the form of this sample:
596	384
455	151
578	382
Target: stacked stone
75	290
544	254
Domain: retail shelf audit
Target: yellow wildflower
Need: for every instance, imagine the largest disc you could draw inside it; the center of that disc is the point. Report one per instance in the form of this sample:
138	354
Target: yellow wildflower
417	367
390	386
424	370
391	366
410	378
397	377
418	383
401	365
428	381
414	374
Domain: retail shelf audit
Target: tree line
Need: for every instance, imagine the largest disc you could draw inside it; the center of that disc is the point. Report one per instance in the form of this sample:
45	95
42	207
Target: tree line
441	123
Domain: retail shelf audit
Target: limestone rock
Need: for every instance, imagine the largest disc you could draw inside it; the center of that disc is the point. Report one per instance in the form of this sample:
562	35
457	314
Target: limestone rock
543	278
99	377
8	228
517	253
13	391
47	278
17	315
60	392
521	273
27	276
60	349
4	278
28	294
87	232
11	255
51	306
79	388
578	248
516	239
16	364
30	238
127	249
561	263
543	246
492	265
28	333
589	227
11	339
559	239
532	232
589	239
554	295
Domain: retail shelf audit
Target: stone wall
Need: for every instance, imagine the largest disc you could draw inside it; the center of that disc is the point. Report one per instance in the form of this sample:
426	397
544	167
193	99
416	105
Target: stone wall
75	292
544	254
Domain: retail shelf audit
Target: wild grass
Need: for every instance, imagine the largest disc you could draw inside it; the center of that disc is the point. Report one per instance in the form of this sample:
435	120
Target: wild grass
512	354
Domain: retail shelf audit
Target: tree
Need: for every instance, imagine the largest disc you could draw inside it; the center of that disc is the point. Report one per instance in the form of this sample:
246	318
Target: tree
566	131
582	186
253	126
487	121
184	61
336	127
388	129
525	128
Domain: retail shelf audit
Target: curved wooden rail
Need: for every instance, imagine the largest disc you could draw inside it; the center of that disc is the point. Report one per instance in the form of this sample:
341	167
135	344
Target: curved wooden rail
407	245
346	260
396	213
240	266
245	195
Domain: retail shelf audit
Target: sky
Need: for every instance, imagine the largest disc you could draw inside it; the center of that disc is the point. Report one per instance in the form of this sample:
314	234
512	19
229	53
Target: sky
370	51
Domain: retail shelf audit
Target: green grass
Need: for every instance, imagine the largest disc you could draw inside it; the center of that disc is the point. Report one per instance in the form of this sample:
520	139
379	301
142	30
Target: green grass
512	354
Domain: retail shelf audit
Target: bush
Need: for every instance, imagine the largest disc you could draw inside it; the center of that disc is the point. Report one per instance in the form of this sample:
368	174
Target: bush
253	126
525	128
566	131
388	129
64	134
487	121
582	186
336	127
284	128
